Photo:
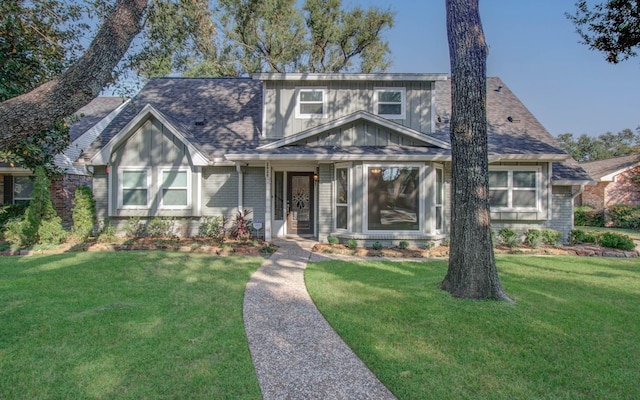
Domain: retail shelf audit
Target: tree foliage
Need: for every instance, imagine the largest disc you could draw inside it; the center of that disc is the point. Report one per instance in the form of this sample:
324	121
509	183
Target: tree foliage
586	148
39	39
472	271
612	27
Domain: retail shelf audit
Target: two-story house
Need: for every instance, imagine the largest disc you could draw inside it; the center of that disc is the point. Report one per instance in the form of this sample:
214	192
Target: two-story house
358	156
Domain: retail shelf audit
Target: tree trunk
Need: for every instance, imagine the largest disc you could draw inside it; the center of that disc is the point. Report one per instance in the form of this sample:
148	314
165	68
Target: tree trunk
472	271
36	110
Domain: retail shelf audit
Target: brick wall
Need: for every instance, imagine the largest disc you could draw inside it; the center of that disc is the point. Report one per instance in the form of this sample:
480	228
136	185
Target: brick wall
624	190
593	195
62	191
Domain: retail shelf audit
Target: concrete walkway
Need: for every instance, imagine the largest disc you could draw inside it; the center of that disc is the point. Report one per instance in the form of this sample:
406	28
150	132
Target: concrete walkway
297	355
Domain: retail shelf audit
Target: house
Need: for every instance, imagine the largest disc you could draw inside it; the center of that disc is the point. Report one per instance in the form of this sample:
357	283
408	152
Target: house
357	156
16	184
615	182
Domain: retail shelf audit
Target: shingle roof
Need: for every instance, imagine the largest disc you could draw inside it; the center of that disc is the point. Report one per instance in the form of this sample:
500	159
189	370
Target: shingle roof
215	114
600	168
512	129
93	113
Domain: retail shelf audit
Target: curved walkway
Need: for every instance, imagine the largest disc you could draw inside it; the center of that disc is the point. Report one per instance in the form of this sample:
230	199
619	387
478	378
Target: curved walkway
296	354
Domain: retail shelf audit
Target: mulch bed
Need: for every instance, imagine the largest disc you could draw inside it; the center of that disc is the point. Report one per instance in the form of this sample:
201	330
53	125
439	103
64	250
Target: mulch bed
443	251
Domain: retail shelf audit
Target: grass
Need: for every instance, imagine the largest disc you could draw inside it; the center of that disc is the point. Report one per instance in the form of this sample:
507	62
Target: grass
633	234
124	325
573	332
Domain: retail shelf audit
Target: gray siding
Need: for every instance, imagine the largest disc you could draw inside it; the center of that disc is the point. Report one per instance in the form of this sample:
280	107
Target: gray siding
343	98
542	213
101	192
219	191
359	134
254	189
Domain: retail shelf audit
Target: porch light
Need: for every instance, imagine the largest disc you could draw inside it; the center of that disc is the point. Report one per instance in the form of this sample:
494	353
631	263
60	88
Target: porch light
375	170
315	176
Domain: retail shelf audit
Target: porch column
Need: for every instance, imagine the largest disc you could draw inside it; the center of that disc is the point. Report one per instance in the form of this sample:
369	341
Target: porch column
240	186
267	205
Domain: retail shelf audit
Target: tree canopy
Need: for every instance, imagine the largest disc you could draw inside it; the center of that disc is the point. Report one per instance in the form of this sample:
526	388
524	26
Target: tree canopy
608	145
612	27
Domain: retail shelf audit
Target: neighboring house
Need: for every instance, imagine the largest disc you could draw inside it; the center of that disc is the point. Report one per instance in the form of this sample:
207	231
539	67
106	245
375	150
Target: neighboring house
358	156
614	182
16	184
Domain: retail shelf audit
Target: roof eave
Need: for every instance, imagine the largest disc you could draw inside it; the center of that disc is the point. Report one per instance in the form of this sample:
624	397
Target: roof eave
350	77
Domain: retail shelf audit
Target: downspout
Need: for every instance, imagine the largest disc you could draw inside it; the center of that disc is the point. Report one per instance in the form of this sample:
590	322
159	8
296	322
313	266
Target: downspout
240	186
578	193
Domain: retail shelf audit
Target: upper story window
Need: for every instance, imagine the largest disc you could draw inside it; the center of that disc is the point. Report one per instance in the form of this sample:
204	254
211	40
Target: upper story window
390	102
311	103
513	189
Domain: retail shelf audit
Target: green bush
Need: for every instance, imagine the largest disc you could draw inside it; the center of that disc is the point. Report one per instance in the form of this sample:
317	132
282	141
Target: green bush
13	232
533	237
84	213
134	228
587	216
616	241
403	244
108	232
352	244
578	236
376	245
624	216
41	223
332	240
12	211
214	227
160	227
509	237
551	237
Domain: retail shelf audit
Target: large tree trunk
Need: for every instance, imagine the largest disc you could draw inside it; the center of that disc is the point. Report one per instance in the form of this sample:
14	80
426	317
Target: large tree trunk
35	111
472	269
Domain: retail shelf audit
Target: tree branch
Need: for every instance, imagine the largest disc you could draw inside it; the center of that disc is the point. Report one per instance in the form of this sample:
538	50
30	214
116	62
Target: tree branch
35	111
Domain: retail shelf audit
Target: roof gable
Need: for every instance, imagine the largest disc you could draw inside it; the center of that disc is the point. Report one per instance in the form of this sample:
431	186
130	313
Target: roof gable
606	170
358	116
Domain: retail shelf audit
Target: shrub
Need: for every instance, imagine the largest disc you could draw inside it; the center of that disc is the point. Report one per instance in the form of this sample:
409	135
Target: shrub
616	241
332	240
12	211
509	237
624	216
551	237
587	216
83	215
133	228
578	236
240	225
41	223
160	227
13	232
267	250
352	244
214	227
533	237
108	232
376	245
403	244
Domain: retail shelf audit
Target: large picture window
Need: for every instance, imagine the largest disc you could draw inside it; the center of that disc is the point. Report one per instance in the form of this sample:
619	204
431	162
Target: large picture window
513	189
390	102
174	188
134	187
393	198
311	103
342	198
22	189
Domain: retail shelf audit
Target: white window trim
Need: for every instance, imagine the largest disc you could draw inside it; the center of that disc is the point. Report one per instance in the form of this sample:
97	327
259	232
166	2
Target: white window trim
435	198
120	187
365	177
510	169
348	205
299	90
403	101
161	170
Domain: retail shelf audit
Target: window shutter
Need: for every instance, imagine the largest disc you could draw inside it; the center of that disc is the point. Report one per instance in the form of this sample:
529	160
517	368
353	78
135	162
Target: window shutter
8	189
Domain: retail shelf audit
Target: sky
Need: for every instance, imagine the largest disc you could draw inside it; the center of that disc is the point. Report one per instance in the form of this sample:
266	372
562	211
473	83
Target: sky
534	49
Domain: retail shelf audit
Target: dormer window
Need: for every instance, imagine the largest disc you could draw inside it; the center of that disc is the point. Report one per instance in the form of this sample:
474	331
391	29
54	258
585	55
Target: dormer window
390	102
311	103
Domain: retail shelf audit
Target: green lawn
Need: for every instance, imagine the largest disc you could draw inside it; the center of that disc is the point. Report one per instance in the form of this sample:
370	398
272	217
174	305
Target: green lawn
633	234
124	325
574	332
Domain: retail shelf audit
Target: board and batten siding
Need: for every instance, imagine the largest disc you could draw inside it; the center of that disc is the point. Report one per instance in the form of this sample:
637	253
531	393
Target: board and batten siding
151	146
359	134
343	98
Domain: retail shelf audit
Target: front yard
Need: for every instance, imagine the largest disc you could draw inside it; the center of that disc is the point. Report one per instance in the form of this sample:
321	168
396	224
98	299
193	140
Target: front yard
125	325
573	332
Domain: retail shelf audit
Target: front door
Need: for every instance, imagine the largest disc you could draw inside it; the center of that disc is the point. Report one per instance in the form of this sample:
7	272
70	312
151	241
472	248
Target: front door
300	203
